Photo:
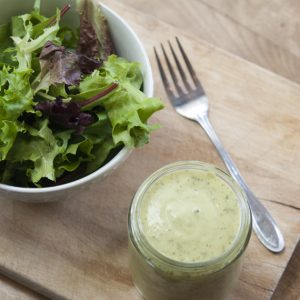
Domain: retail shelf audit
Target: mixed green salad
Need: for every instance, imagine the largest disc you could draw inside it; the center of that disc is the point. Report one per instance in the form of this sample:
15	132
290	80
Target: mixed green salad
67	102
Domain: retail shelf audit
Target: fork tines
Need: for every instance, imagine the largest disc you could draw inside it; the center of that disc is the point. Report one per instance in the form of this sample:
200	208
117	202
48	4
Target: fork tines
183	78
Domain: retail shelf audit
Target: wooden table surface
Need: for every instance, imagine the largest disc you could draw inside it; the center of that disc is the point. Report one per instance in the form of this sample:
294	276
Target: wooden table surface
266	33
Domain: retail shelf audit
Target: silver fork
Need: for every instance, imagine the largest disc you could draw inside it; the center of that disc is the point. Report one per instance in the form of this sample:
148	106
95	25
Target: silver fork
193	105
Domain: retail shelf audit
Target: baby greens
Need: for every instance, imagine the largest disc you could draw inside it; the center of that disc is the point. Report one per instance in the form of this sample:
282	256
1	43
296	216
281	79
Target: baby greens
67	103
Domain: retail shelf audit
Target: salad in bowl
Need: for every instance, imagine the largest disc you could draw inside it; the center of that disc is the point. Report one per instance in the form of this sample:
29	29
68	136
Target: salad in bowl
68	103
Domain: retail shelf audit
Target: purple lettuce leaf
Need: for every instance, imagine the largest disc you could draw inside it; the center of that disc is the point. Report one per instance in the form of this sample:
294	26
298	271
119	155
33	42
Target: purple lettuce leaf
59	65
88	44
95	40
66	115
70	115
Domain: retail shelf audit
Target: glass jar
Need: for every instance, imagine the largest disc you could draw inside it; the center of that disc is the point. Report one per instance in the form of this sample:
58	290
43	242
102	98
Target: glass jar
157	272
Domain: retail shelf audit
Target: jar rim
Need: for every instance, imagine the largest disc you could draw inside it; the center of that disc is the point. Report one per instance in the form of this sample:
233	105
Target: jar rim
232	253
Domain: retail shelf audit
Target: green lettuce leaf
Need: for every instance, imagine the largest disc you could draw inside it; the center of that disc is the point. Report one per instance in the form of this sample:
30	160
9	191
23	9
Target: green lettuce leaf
68	37
127	107
8	133
40	146
18	97
26	45
100	134
93	149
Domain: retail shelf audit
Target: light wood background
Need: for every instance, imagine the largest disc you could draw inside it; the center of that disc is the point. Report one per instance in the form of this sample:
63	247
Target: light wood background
264	32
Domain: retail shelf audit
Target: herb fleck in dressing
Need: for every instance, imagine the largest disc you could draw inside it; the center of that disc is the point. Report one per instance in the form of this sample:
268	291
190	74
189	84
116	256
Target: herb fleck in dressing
190	216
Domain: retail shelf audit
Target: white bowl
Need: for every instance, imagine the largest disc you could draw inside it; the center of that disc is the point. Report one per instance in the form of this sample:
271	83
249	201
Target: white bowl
128	46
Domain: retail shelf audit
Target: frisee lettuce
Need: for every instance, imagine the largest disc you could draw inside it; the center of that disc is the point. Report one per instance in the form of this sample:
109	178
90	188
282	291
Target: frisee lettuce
66	109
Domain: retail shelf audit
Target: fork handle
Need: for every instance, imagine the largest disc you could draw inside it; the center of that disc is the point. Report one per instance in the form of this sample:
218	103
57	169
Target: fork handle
264	225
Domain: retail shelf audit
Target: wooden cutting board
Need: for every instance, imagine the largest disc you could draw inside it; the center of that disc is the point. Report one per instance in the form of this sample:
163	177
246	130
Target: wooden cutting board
78	249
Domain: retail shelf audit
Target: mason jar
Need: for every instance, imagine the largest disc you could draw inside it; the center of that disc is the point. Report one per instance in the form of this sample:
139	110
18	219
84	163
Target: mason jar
189	225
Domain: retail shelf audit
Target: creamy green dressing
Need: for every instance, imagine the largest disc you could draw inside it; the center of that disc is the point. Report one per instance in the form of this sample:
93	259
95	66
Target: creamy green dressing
190	215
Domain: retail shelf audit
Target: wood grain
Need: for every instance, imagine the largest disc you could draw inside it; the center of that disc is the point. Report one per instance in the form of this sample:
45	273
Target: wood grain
289	284
11	290
275	20
78	249
264	32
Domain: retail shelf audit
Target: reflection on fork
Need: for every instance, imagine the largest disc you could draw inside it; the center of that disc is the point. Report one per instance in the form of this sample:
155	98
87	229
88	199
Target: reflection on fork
189	100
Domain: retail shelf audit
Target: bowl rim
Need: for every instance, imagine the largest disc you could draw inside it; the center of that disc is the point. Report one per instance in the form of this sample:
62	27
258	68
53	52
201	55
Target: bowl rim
116	160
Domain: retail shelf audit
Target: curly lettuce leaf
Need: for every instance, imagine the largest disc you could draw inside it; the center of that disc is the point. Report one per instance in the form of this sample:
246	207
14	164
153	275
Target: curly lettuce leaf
93	149
36	22
14	101
100	134
26	45
8	134
18	97
40	146
127	107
